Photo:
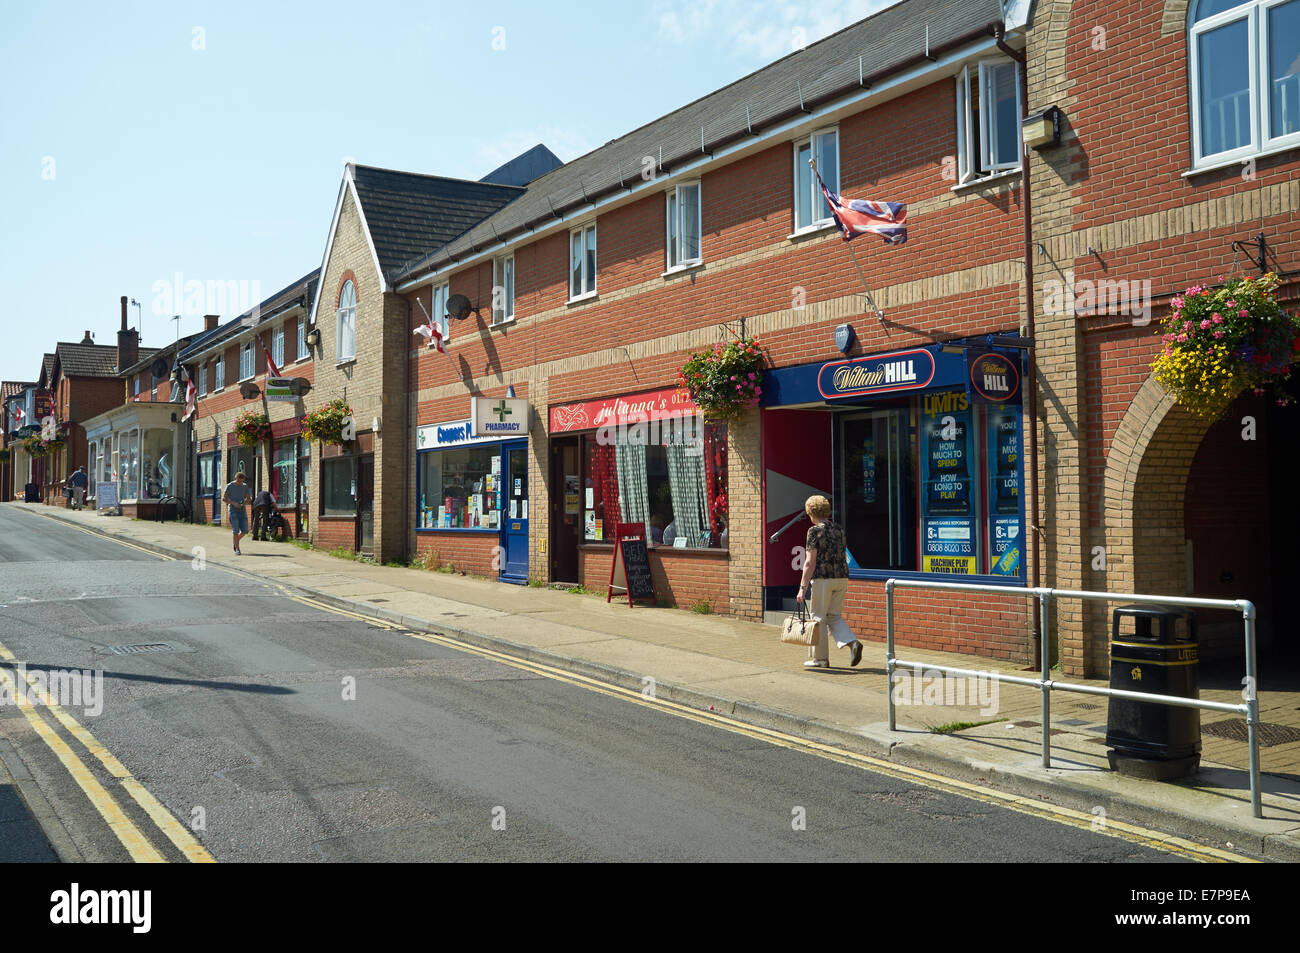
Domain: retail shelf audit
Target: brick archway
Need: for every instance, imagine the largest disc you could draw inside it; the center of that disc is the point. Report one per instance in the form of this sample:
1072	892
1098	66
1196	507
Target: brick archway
1147	467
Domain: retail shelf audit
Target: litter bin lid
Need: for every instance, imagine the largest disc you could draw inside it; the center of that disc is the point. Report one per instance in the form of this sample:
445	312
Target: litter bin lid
1150	610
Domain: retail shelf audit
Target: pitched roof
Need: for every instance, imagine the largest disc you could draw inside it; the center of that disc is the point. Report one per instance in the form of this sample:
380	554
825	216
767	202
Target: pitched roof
297	294
525	167
832	68
143	359
47	371
12	388
86	360
409	215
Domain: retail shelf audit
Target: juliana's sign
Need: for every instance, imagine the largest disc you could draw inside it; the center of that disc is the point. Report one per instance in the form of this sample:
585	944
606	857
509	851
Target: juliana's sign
616	411
878	374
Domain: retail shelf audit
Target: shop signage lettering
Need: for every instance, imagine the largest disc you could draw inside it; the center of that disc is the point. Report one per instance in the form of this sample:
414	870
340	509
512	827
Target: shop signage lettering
500	416
878	374
619	411
994	378
455	433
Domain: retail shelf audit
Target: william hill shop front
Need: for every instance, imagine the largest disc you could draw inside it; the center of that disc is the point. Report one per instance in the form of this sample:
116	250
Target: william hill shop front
919	452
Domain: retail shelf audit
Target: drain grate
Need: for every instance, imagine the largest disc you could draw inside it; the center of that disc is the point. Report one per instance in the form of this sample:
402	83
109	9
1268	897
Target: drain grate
1086	707
141	648
1269	733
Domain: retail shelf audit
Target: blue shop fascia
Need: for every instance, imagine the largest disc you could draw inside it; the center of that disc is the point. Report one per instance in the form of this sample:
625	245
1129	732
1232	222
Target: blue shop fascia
919	451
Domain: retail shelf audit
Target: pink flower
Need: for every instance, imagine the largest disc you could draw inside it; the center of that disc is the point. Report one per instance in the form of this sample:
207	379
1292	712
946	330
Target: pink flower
1218	318
1182	337
1187	325
1177	302
1231	303
1205	325
1243	313
1218	334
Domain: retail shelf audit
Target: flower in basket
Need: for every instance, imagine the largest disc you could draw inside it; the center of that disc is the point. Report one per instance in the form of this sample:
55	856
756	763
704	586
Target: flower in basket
328	423
1221	342
251	428
725	379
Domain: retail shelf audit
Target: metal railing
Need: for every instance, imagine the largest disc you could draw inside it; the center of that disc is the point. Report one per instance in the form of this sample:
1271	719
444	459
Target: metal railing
1046	685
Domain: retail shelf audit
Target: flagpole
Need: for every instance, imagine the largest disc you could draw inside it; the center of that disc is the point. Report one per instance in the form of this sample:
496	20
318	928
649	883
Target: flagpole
880	316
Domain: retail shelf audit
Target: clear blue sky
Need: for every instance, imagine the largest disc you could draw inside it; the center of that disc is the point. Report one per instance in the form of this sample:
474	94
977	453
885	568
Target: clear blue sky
142	139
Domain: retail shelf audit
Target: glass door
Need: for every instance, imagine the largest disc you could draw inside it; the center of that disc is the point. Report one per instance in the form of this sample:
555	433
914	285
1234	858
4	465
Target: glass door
514	516
879	505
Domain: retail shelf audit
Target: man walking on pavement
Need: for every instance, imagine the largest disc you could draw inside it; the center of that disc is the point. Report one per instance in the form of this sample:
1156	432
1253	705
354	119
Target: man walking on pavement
235	497
78	483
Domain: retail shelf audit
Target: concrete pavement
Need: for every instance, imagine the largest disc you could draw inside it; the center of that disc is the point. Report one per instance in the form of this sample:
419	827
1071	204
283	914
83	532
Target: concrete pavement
742	670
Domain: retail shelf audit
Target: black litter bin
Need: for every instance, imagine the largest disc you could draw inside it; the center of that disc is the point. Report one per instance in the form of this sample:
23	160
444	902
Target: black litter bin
32	493
1156	660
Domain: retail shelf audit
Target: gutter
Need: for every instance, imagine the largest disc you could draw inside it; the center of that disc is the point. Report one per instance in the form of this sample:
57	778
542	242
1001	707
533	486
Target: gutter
426	272
1037	638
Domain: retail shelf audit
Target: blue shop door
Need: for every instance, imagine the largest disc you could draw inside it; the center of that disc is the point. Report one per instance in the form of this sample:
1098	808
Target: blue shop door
514	512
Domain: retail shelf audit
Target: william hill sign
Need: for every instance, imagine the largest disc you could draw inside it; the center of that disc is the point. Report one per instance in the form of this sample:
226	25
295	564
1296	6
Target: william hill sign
993	378
877	374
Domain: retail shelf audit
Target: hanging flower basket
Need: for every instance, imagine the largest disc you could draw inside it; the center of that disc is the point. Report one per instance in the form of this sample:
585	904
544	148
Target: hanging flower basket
252	428
326	424
1220	343
35	446
725	379
55	445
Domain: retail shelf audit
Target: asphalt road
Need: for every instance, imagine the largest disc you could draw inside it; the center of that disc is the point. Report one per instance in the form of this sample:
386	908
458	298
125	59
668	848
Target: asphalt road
245	730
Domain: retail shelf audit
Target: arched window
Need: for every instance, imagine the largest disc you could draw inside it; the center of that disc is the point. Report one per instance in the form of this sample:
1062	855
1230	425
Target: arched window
1245	64
346	327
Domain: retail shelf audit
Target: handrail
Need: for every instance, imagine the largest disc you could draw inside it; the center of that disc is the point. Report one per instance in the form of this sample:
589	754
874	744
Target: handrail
1046	685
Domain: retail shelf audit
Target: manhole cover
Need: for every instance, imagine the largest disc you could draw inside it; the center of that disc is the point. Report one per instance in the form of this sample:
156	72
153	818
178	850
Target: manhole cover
142	648
1269	733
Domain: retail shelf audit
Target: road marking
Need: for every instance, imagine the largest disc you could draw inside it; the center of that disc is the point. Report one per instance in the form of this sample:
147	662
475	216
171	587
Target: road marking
185	841
135	842
99	535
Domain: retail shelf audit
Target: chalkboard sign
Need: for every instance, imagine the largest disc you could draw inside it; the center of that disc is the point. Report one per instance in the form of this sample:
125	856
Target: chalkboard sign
630	571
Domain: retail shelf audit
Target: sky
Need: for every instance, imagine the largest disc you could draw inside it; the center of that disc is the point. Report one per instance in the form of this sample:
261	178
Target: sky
151	148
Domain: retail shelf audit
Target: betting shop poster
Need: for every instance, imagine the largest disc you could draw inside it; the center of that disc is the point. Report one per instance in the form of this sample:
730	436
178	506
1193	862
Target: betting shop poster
948	524
1006	541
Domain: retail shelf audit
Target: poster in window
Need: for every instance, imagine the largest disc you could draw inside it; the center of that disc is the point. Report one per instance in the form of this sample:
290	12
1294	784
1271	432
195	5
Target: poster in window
948	531
868	471
949	546
1005	537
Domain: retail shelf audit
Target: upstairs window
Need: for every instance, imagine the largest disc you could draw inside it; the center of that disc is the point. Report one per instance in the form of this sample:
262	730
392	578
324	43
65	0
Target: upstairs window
439	311
684	225
301	343
503	290
582	261
988	119
1245	68
345	329
810	208
219	373
277	346
202	383
246	363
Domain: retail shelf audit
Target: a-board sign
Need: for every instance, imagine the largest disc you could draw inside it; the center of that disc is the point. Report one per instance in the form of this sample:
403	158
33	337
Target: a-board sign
630	571
105	495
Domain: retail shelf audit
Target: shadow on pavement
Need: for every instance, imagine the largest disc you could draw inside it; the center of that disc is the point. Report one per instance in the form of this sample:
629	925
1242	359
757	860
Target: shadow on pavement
21	838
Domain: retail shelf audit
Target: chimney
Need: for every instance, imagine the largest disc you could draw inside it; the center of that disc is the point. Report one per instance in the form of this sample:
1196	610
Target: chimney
87	339
209	321
128	342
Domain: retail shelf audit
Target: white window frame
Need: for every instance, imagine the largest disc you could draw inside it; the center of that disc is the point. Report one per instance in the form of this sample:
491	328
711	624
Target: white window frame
503	276
346	316
587	287
672	225
1261	140
202	383
974	146
135	386
301	343
814	195
277	347
246	349
438	310
219	373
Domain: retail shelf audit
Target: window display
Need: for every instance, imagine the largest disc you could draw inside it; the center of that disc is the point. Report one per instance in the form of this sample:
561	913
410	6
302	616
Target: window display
460	488
284	472
339	487
156	464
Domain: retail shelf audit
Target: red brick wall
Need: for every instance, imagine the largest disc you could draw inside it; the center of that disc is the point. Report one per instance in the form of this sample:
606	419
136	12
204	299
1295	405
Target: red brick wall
333	533
680	579
473	553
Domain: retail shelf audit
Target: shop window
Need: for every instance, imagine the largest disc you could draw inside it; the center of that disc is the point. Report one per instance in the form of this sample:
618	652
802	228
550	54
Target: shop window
582	262
670	476
1245	70
284	472
207	478
988	119
460	488
339	487
684	225
156	464
932	484
503	289
810	208
243	459
345	330
105	472
128	465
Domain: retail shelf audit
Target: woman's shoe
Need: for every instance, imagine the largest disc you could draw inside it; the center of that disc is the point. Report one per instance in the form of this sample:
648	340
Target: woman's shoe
817	663
856	648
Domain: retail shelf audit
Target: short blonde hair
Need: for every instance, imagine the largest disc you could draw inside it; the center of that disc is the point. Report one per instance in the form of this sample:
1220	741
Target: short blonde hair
818	507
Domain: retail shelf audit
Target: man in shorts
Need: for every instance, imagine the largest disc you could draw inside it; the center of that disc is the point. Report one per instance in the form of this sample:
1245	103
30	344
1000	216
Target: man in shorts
236	499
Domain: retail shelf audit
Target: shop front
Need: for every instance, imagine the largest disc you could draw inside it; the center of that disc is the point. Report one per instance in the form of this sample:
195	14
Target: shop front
133	450
919	452
648	459
472	499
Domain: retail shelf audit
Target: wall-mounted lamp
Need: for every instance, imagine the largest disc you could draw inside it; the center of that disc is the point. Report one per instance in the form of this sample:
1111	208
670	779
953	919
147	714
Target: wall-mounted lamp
1043	128
510	390
312	337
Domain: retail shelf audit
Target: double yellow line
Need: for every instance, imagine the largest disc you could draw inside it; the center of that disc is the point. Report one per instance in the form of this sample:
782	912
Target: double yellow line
136	842
1023	805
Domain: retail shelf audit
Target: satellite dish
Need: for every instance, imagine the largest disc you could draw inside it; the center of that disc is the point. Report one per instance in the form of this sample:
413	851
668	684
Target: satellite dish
159	369
458	307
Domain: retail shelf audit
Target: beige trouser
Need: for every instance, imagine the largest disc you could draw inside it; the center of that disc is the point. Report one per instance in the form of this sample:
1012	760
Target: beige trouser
826	604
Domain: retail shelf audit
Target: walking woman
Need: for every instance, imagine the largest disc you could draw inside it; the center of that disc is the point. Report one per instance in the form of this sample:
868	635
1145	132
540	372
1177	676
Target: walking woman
826	574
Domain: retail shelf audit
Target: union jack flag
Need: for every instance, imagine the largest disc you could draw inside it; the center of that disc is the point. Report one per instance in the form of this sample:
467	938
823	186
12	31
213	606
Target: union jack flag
856	216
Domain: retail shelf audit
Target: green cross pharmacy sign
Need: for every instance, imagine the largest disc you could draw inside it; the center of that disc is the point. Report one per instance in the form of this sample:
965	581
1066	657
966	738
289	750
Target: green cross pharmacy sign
500	416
